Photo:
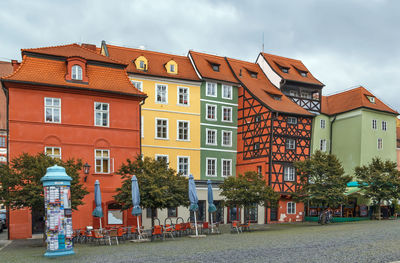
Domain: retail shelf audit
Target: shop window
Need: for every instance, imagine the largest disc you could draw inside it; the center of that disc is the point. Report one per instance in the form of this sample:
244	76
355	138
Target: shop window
148	213
201	212
218	215
114	214
172	212
233	214
251	213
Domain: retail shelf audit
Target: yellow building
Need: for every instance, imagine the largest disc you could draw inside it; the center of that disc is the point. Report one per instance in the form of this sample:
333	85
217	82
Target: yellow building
171	113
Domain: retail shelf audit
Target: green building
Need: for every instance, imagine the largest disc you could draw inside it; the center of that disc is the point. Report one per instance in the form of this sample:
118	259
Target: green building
356	127
218	121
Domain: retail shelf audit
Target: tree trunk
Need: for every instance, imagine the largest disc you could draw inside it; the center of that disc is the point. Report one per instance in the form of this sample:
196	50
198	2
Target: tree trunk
153	213
379	210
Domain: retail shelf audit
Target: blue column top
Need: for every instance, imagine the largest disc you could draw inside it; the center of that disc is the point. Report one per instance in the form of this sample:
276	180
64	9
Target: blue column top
56	175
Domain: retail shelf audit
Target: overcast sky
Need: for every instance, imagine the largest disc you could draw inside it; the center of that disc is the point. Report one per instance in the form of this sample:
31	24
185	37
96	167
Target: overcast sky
343	43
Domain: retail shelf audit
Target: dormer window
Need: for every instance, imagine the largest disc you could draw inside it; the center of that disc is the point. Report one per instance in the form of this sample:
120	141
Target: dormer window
285	70
215	67
172	68
253	74
371	99
303	73
76	72
141	63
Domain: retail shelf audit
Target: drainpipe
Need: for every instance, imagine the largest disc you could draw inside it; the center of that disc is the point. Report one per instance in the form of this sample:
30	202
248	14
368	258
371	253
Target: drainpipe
140	125
8	149
330	134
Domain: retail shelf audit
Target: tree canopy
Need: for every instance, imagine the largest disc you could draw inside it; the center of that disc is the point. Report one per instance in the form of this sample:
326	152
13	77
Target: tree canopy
160	186
379	180
247	190
322	180
21	185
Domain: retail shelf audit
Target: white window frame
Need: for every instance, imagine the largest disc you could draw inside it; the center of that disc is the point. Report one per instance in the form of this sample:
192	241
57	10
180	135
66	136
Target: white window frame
135	82
177	164
374	124
322	145
216	89
229	87
101	111
52	108
293	204
293	93
188	96
172	68
322	124
102	158
292	120
155	129
156	93
142	126
188	131
230	167
162	155
216	167
216	136
288	144
380	144
289	174
76	72
222	138
216	112
52	155
384	126
230	116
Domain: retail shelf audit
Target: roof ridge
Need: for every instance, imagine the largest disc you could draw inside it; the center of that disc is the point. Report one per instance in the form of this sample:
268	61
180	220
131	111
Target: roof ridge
56	46
145	50
15	71
277	56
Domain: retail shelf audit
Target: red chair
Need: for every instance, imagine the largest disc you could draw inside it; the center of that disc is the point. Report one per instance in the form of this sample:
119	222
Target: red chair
246	226
121	233
97	236
235	226
205	227
157	231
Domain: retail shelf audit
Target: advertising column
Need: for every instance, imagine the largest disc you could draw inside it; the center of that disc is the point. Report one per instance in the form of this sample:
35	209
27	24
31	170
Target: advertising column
57	201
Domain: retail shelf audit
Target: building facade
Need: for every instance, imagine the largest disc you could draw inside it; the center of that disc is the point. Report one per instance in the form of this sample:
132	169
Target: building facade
70	102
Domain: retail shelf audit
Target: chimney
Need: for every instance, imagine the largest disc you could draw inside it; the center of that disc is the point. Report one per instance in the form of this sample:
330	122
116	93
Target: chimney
15	64
89	46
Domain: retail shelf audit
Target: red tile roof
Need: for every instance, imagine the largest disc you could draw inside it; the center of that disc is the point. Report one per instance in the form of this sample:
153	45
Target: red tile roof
293	65
156	62
72	50
203	63
263	89
6	68
351	100
42	70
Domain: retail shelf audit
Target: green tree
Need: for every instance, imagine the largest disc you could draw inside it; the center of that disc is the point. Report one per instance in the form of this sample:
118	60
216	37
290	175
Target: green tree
248	190
322	180
380	181
21	186
160	186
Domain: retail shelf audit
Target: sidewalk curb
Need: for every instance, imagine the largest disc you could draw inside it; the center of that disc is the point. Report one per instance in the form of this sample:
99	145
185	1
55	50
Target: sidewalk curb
8	242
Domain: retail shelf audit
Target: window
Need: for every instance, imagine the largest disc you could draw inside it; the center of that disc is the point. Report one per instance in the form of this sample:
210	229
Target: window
141	64
303	73
226	167
291	208
215	67
102	161
183	131
211	137
384	125
322	124
374	125
256	146
183	96
101	111
380	144
148	213
162	157
293	93
52	109
226	138
292	120
172	211
227	114
211	166
161	128
76	72
322	145
290	144
251	213
305	94
289	173
226	92
161	93
172	68
137	84
285	70
211	89
2	141
211	112
253	74
53	152
259	170
183	165
114	214
371	99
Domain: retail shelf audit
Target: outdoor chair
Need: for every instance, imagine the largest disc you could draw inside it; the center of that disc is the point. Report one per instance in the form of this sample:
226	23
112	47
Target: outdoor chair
204	227
246	226
121	233
113	234
169	229
157	231
235	226
88	236
97	236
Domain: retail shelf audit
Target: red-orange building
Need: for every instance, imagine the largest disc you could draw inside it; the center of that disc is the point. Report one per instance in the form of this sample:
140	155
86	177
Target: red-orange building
71	102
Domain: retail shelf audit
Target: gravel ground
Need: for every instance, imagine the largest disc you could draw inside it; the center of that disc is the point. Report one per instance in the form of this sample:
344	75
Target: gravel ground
366	241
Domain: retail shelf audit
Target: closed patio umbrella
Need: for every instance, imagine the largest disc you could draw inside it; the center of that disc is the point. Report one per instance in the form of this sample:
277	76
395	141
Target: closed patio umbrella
193	200
98	211
136	210
211	206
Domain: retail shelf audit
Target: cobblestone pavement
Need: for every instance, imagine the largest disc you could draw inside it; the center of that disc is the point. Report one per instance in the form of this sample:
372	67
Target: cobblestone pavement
367	241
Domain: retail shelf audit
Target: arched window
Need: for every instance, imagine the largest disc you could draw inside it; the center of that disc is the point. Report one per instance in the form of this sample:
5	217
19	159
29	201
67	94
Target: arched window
76	72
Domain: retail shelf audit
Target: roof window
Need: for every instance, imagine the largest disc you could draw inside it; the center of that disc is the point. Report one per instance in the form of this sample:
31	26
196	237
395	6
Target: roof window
285	70
171	67
76	72
215	67
371	99
303	73
141	63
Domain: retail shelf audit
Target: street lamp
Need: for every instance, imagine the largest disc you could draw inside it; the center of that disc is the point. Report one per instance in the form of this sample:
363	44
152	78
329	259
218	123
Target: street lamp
86	169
